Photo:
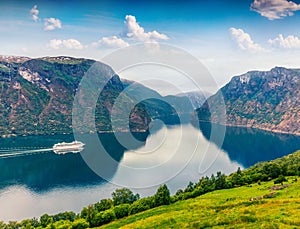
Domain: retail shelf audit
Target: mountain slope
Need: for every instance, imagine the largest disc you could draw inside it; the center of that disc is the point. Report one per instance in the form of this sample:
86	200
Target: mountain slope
37	95
161	106
37	98
266	100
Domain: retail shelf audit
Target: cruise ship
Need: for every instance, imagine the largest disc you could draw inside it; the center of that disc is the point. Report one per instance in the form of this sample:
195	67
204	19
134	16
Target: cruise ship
72	147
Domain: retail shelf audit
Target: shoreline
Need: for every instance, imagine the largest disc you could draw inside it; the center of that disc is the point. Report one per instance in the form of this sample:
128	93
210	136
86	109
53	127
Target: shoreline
254	127
5	136
266	129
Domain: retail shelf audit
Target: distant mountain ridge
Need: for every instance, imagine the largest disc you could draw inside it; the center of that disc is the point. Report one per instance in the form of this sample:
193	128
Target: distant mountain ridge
268	100
37	96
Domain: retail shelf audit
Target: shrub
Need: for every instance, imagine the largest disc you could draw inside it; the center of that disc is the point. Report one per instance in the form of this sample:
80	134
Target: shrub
280	180
121	210
103	218
272	170
80	224
141	205
103	205
197	192
62	224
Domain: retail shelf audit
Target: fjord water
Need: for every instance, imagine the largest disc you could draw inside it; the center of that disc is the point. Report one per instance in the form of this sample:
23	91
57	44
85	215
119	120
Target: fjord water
32	184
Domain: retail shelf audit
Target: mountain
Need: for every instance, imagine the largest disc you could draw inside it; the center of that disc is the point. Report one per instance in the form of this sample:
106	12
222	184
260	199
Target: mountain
183	104
268	100
37	96
196	98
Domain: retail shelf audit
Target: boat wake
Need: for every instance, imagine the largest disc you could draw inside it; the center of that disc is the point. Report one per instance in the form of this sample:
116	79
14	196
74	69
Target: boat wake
59	148
6	153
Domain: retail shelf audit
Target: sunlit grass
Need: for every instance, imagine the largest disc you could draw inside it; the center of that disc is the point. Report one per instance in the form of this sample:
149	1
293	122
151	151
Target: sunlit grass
230	208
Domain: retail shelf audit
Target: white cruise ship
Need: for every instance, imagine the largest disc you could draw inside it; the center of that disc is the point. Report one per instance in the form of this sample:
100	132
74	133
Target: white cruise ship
72	147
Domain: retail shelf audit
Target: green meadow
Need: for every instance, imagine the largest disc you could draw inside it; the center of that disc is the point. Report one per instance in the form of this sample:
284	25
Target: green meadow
229	208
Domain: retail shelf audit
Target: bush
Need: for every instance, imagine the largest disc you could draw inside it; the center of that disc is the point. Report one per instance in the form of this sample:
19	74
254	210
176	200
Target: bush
121	210
280	180
272	170
62	224
141	205
80	224
103	218
103	205
197	192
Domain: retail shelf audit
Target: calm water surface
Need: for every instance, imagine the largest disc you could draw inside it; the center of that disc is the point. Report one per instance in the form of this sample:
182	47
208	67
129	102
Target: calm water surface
36	182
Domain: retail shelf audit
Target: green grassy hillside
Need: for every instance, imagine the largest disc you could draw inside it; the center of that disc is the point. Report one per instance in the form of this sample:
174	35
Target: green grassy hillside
230	208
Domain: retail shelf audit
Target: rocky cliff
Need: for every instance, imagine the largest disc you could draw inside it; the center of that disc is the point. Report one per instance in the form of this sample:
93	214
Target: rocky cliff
268	100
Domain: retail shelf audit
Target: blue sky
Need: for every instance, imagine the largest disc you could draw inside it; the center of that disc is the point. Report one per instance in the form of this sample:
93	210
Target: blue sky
230	37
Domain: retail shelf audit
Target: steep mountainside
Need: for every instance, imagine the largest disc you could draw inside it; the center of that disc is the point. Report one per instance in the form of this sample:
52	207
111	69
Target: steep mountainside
266	100
184	103
37	96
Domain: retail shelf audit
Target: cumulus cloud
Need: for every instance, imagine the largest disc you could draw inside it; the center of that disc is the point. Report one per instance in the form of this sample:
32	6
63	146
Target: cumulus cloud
244	40
52	24
112	41
133	30
34	13
289	42
274	9
68	44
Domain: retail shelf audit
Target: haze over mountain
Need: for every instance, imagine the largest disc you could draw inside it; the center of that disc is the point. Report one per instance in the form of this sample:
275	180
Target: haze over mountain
268	100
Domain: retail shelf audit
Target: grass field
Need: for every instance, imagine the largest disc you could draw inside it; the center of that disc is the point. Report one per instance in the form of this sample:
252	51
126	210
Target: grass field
231	208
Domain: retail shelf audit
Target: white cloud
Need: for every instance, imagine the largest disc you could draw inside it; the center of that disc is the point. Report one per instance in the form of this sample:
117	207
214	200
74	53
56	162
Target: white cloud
290	42
52	24
135	31
245	41
72	44
274	9
34	13
132	32
112	41
68	44
55	44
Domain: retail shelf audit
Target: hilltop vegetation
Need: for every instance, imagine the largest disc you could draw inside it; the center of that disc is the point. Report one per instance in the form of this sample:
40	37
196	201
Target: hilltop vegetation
242	199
